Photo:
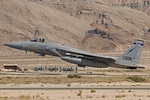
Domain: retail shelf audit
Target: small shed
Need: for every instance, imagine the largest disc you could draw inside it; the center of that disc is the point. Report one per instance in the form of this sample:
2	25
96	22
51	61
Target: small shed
11	66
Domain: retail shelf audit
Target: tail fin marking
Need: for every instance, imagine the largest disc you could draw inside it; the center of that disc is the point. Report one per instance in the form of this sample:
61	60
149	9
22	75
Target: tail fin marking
132	55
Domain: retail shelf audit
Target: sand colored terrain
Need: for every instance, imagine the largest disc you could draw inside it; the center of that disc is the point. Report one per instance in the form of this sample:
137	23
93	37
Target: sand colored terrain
92	25
30	60
37	80
93	94
73	95
100	26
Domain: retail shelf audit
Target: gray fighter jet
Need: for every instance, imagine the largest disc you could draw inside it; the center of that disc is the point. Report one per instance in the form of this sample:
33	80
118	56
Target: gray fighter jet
128	60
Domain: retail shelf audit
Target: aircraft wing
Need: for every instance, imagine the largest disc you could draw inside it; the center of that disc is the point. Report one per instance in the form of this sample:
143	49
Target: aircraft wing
72	52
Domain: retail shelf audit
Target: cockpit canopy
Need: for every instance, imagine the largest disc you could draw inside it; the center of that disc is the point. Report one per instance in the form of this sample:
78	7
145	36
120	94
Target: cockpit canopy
37	40
42	40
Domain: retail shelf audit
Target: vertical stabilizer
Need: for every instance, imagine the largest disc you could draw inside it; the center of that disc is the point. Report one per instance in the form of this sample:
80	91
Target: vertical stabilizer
132	56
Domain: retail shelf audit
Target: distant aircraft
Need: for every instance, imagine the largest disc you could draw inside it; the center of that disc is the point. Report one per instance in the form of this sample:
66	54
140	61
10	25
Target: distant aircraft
128	60
38	68
67	69
52	68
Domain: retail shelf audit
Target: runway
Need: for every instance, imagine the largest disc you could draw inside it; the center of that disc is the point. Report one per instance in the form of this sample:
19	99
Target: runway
46	74
79	88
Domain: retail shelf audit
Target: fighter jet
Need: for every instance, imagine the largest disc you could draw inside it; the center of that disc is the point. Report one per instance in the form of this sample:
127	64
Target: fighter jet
52	69
128	60
67	69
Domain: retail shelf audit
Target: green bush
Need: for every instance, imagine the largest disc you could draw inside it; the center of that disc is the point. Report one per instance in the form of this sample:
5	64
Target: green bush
120	96
93	91
68	84
136	78
80	93
103	96
74	76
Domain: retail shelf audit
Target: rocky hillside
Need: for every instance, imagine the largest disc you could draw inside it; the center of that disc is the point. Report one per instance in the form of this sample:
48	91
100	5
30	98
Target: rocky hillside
92	25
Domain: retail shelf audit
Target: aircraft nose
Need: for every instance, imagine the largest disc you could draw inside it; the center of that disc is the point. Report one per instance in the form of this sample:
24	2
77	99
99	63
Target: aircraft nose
5	44
15	45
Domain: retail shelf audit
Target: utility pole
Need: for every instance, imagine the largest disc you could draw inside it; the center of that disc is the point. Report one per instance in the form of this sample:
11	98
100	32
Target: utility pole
37	32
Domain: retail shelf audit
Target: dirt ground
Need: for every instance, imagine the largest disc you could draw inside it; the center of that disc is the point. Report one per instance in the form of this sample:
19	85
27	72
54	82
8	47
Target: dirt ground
91	94
75	95
30	61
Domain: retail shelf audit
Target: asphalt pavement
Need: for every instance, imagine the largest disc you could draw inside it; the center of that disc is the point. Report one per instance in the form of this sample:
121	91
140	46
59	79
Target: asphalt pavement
79	88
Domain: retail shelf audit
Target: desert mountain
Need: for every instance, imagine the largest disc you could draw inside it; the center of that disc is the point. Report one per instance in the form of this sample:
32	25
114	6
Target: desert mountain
92	25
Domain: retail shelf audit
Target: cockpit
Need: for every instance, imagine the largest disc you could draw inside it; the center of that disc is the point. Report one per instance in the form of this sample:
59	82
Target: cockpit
37	40
42	40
